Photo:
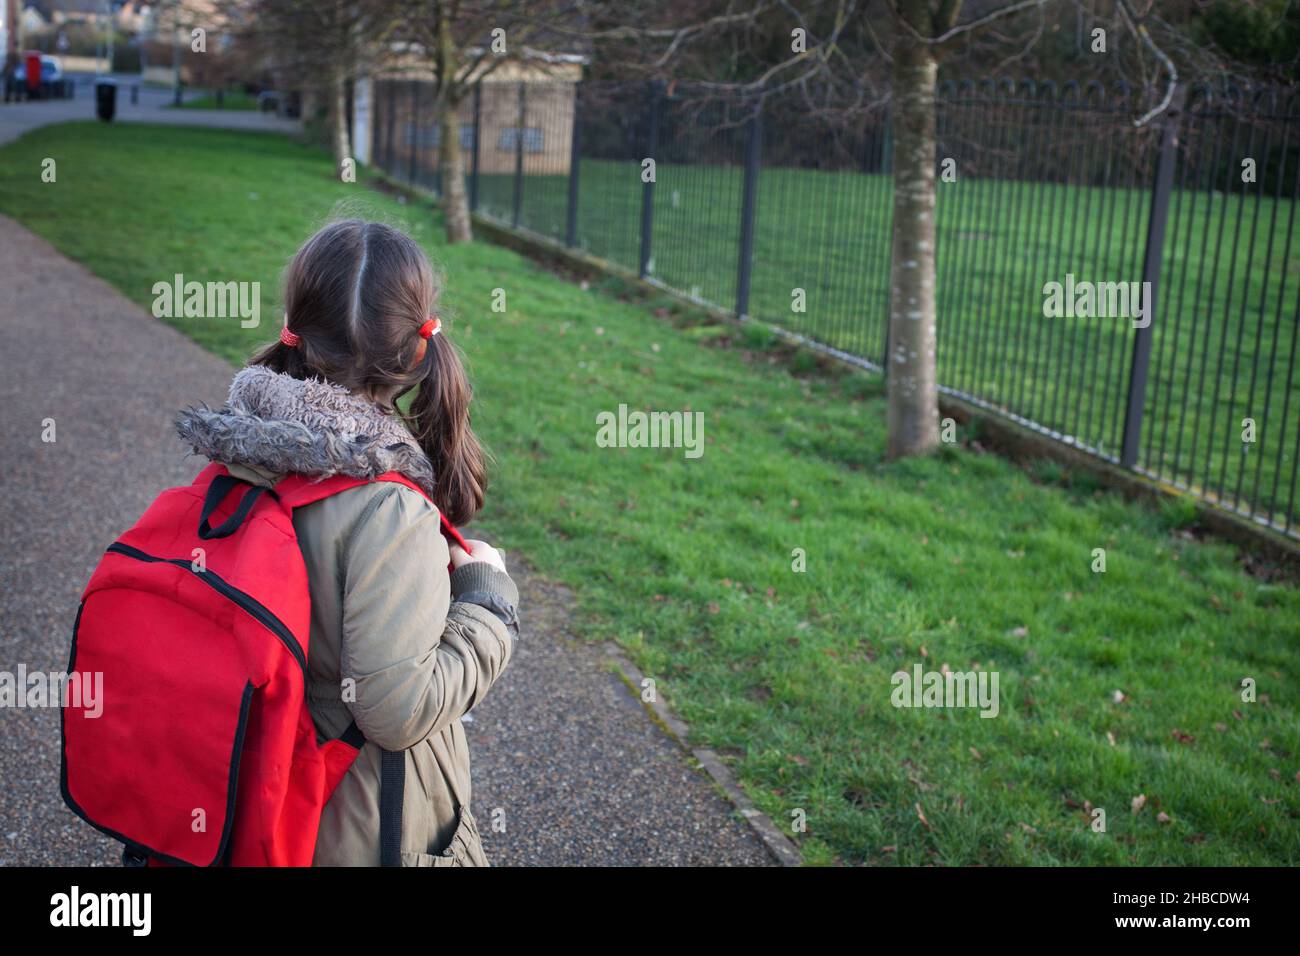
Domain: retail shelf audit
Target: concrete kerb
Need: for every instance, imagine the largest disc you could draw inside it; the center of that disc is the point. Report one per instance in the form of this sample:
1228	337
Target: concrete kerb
778	844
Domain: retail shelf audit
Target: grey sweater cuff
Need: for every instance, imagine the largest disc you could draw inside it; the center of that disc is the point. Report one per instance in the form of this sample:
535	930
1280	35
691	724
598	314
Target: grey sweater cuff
480	583
481	576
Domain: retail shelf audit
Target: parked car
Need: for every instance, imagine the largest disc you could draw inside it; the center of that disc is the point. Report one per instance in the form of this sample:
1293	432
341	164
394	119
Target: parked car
51	70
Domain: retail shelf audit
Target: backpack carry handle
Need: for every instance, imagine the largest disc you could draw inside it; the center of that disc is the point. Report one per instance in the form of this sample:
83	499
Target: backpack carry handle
217	491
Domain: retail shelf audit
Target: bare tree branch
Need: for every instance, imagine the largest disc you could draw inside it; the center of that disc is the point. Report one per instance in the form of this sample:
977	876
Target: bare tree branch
962	28
1141	31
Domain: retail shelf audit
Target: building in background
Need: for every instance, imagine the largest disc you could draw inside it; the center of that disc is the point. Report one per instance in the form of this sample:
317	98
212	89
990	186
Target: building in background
392	114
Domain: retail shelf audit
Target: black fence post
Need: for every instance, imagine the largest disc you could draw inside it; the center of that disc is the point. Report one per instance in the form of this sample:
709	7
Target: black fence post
415	130
753	149
1162	186
519	155
390	117
886	165
571	215
376	125
439	132
350	105
648	187
478	129
437	158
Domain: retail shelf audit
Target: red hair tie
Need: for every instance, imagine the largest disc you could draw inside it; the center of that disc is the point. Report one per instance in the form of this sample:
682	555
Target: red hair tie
291	339
430	328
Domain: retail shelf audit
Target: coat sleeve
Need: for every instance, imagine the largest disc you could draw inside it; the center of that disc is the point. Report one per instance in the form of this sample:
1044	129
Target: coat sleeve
419	658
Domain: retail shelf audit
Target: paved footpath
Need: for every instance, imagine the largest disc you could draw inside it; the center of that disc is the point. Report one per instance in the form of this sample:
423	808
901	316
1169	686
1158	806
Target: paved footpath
154	106
561	745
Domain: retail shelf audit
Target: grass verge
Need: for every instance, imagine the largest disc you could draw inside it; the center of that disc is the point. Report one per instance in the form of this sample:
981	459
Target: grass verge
1118	690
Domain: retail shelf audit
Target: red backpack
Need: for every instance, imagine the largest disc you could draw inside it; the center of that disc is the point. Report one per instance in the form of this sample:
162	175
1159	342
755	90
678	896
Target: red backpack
204	752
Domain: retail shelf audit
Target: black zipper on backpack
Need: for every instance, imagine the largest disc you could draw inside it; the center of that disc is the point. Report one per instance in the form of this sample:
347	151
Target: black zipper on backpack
246	601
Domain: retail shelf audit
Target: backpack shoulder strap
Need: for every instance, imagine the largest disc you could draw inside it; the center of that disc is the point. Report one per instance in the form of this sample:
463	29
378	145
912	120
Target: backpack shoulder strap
295	491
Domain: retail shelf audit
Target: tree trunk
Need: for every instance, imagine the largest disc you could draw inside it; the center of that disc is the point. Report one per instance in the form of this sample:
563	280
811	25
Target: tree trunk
338	109
451	159
913	398
451	163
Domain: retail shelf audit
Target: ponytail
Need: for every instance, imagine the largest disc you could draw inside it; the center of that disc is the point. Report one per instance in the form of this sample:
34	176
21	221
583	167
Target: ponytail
439	419
279	358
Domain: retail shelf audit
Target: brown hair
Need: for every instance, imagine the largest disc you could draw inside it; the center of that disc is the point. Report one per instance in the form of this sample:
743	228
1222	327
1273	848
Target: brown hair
357	293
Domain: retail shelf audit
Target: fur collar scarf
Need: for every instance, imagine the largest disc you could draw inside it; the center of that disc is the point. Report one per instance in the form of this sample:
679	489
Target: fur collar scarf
278	423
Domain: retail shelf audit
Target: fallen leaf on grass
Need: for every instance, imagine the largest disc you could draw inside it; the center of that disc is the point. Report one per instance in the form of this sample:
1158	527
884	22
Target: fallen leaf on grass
1163	817
921	815
1139	802
920	784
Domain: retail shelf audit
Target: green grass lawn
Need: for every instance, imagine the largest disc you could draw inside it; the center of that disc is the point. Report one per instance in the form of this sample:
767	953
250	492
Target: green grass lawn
1113	686
1226	324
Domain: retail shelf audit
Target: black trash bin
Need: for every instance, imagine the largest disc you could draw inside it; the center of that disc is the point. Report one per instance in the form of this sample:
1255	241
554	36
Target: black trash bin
105	99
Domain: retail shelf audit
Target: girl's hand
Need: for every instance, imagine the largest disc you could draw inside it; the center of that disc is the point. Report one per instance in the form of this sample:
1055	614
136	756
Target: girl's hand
482	552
